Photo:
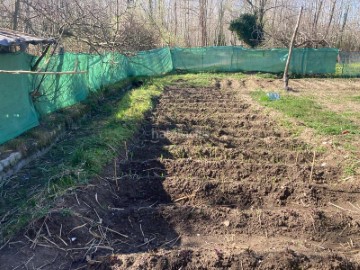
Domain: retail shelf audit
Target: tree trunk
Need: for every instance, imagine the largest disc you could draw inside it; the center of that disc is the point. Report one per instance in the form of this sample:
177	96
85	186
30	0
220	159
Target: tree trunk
187	23
151	8
344	25
286	71
175	20
16	15
203	21
220	36
331	18
317	16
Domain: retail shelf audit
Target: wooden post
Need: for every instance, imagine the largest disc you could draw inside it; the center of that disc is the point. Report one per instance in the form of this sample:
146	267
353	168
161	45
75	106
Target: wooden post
286	71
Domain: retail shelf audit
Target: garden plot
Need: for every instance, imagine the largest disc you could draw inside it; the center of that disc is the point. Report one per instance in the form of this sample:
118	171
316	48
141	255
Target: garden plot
211	181
231	180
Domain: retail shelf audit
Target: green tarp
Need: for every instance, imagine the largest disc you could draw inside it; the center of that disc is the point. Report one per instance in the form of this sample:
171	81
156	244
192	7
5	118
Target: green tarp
17	109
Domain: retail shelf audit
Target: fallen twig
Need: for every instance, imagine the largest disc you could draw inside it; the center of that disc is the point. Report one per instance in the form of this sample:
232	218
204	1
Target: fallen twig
147	242
34	242
4	245
173	240
78	227
51	242
342	208
62	240
146	207
312	166
94	222
184	198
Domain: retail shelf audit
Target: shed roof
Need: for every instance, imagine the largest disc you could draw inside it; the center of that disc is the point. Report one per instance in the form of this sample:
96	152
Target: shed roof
11	37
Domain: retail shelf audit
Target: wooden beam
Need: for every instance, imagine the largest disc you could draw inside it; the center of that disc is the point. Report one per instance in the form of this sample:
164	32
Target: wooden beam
42	72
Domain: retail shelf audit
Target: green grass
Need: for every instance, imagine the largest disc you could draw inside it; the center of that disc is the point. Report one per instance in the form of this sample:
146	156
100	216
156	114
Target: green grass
347	70
310	113
355	98
324	122
195	80
76	160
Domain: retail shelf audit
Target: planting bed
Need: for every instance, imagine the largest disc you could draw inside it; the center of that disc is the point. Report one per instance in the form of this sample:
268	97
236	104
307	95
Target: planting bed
210	182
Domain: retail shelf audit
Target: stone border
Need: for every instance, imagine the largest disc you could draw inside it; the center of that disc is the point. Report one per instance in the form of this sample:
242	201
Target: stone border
15	161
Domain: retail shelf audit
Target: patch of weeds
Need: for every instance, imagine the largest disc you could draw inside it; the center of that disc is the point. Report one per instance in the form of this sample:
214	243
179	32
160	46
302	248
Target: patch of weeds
286	123
320	149
350	169
194	80
65	212
348	70
339	69
355	98
309	113
352	165
267	75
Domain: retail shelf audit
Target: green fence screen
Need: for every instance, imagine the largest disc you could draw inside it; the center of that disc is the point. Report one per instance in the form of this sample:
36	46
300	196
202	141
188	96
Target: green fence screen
61	91
151	63
106	69
349	64
235	59
19	113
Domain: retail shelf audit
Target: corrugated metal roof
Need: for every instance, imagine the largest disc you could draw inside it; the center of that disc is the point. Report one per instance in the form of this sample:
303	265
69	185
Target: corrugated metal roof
10	37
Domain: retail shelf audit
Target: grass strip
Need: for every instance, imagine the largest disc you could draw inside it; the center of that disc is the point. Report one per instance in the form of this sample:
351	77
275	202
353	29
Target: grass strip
310	113
78	158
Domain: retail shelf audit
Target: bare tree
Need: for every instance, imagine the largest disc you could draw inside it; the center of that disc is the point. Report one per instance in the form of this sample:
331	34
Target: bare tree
16	15
104	25
203	21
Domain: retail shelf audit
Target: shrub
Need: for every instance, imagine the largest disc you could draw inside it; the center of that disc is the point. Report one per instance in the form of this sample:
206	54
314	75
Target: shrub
247	29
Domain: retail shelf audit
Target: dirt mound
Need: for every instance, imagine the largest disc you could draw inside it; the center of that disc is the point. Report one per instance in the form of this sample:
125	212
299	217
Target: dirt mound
220	259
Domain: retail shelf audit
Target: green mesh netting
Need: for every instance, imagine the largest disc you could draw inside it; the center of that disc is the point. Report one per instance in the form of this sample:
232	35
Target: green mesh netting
349	64
304	61
203	59
106	69
151	63
17	113
59	91
314	61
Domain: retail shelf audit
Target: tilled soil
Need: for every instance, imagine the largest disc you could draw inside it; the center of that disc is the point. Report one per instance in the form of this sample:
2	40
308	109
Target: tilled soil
211	183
